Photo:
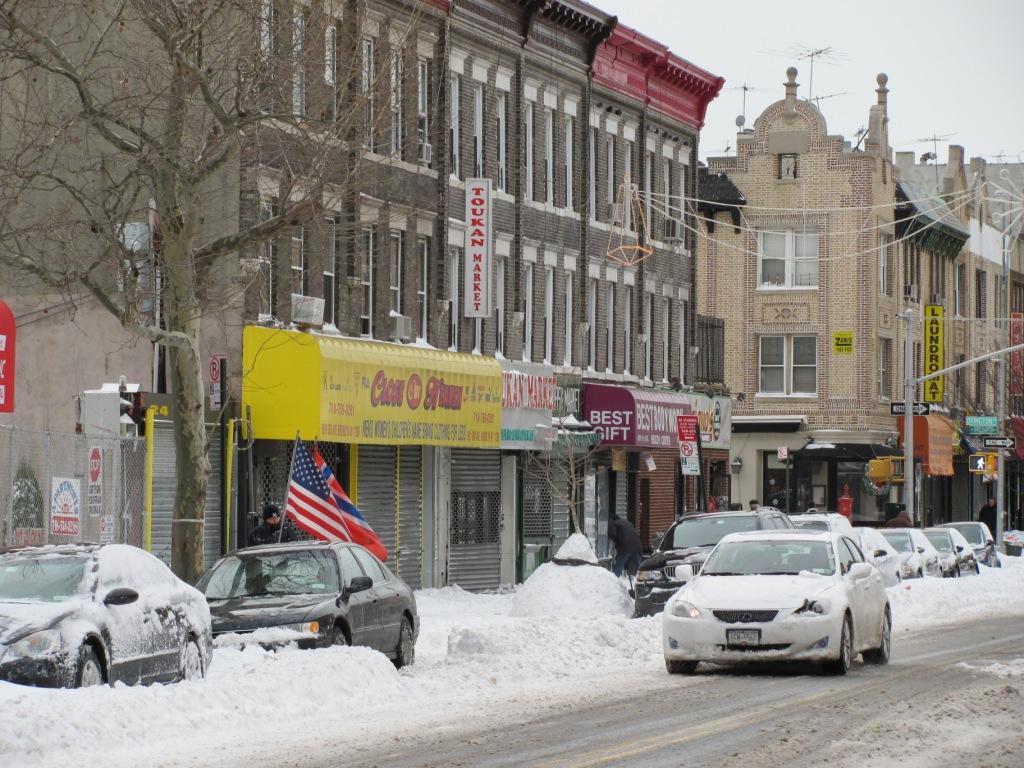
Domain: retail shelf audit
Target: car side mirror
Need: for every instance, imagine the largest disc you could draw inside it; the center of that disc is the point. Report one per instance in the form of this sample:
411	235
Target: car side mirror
920	550
121	596
648	551
879	553
859	571
959	547
684	572
359	584
991	542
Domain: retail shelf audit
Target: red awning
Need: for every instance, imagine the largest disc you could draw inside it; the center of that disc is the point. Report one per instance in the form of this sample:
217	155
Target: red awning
1017	425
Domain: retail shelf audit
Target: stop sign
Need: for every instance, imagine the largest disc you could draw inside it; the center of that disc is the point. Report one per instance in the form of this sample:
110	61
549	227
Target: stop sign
95	465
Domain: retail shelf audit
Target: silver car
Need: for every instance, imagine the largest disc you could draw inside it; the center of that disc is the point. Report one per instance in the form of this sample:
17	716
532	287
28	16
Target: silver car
880	553
917	555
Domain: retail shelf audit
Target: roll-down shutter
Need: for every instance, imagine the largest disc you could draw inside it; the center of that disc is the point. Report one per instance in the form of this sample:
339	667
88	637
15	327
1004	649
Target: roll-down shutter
474	556
377	481
409	557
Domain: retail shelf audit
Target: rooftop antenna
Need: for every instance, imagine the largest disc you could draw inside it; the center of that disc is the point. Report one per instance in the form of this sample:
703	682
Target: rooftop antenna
818	99
860	133
745	87
935	139
826	55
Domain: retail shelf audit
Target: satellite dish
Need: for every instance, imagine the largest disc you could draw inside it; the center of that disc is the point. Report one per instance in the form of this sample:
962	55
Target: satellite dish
740	120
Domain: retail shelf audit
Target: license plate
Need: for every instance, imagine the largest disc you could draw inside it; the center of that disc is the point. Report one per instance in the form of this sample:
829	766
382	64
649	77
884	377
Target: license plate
743	636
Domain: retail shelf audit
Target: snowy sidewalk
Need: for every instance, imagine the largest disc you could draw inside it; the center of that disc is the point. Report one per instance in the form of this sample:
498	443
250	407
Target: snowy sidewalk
478	656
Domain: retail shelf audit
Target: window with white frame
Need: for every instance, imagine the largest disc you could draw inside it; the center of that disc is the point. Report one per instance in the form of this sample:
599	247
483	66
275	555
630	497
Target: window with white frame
884	368
268	14
501	115
298	72
331	69
648	170
549	314
366	82
671	227
499	305
454	148
396	269
885	265
528	148
527	311
330	268
478	130
649	343
682	341
627	329
268	260
788	365
592	323
627	208
423	111
549	156
570	127
397	128
666	335
788	258
592	175
368	238
569	325
959	288
423	270
609	327
609	154
299	277
454	307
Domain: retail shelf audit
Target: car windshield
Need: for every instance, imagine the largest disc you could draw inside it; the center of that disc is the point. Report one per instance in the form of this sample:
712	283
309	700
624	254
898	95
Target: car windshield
900	540
772	558
971	532
810	525
707	531
305	572
45	579
939	540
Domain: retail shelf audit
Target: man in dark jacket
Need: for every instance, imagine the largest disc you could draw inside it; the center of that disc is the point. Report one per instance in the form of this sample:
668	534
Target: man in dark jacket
902	520
987	515
270	531
627	545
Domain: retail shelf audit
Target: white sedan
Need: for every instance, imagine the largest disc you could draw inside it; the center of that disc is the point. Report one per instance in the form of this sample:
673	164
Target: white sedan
880	553
779	596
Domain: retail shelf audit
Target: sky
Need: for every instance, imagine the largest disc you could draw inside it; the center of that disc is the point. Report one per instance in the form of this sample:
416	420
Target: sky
954	67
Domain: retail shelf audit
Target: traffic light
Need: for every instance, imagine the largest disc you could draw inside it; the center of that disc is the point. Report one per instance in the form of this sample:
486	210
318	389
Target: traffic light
880	470
983	463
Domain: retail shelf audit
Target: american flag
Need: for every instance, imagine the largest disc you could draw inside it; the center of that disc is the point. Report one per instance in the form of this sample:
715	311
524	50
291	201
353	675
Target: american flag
309	503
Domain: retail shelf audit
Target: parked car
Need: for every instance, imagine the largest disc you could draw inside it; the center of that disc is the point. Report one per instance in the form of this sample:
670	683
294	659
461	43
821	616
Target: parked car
689	541
780	596
880	553
918	557
821	521
81	615
324	593
981	539
965	553
951	553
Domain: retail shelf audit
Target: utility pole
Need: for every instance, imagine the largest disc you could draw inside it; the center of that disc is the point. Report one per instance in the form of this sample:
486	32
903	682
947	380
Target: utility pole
909	476
1004	340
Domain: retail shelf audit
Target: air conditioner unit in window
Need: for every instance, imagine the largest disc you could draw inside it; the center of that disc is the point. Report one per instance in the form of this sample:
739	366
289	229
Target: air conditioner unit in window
910	293
401	327
426	153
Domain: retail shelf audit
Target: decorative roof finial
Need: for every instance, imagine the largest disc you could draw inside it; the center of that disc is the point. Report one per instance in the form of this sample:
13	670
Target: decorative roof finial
791	87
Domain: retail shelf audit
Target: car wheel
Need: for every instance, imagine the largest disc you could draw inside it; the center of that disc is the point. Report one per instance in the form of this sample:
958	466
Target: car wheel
90	670
191	665
677	667
406	650
880	655
337	636
842	665
920	573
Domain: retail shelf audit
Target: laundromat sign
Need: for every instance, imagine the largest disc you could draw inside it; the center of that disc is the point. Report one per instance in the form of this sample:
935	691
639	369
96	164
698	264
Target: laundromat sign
352	391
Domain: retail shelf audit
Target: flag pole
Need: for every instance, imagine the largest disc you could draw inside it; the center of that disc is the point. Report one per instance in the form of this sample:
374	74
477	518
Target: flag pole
284	506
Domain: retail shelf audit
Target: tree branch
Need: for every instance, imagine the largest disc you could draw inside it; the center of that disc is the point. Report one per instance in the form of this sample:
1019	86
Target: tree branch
298	213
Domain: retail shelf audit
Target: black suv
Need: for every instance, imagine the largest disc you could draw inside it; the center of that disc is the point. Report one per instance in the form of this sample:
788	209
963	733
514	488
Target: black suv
689	541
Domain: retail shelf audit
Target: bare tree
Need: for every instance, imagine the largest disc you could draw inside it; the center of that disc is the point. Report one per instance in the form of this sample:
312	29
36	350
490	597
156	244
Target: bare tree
130	126
564	469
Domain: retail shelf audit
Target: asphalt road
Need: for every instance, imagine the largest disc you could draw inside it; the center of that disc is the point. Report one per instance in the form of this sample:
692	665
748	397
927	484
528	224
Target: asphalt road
925	708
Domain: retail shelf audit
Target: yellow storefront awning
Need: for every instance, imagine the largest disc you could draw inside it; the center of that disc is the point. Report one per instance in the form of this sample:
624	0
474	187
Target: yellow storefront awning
353	391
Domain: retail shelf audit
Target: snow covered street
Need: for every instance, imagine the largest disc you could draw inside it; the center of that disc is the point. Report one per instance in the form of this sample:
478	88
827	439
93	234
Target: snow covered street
562	639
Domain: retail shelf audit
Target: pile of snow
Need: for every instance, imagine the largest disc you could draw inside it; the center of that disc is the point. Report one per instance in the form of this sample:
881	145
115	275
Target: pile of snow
577	547
267	635
1014	669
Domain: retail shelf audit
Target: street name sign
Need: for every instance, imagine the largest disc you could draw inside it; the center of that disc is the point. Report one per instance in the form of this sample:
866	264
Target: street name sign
982	425
899	408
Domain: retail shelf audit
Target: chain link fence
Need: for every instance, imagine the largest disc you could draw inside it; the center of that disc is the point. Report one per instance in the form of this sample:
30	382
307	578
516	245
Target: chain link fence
60	488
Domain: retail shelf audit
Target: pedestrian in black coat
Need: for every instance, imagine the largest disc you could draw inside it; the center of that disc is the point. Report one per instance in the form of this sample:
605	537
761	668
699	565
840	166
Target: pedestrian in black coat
623	535
269	532
987	515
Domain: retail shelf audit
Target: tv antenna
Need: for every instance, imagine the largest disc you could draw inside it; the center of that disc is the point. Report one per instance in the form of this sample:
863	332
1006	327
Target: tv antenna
826	55
818	99
860	133
746	87
935	139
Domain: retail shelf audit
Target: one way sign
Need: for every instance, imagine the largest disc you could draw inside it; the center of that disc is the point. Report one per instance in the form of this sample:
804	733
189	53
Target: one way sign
899	408
998	441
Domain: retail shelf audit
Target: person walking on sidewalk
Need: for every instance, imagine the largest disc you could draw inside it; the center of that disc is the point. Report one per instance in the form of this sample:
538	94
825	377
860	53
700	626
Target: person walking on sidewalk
623	535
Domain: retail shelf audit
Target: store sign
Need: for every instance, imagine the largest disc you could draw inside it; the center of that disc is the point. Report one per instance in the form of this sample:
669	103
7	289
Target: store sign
842	343
934	351
65	507
687	430
568	396
479	249
1016	358
8	331
353	391
528	399
95	487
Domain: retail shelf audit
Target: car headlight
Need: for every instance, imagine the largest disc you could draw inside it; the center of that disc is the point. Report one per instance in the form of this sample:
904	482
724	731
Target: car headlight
38	644
685	610
310	627
905	569
813	608
648	576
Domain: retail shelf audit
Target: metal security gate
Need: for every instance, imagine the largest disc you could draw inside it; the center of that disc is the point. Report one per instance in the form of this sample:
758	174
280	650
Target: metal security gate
408	559
391	500
377	477
164	473
474	555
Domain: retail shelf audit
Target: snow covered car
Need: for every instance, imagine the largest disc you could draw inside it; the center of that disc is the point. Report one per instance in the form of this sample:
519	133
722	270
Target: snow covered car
80	615
688	542
981	539
821	521
315	594
880	553
780	596
918	557
956	559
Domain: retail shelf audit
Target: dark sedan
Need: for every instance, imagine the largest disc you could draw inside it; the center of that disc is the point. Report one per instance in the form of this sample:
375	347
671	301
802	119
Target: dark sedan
81	615
315	593
688	542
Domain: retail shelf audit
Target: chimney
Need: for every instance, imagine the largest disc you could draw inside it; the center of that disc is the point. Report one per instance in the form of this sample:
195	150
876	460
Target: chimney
791	87
956	159
904	160
977	165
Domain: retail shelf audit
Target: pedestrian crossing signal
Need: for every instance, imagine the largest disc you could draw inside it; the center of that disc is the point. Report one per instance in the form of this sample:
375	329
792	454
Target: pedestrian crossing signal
983	463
